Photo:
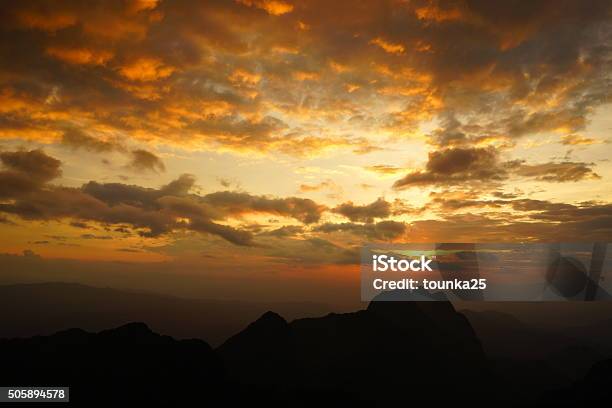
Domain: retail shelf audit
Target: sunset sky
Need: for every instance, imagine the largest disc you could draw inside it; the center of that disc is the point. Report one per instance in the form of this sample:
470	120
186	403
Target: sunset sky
272	138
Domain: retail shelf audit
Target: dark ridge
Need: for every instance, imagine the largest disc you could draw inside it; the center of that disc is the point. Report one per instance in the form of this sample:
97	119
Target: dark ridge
391	353
263	353
117	366
388	344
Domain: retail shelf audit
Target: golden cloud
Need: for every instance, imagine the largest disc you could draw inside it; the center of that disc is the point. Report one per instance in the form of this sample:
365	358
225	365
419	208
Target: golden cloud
146	69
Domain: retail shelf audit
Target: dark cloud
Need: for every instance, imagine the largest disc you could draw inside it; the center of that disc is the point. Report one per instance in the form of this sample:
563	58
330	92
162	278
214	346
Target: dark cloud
143	160
79	224
14	183
236	203
456	165
462	165
34	163
530	219
233	235
577	224
119	193
454	204
92	236
152	211
78	139
179	187
383	230
364	213
558	172
285	231
26	171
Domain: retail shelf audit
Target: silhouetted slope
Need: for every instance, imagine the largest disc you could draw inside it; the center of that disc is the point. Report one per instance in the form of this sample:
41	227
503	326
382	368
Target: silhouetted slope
575	361
390	344
591	391
115	367
532	360
46	308
504	336
598	335
263	353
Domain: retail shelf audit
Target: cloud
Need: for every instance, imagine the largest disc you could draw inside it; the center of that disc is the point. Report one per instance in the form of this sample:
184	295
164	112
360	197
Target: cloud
264	76
456	165
179	187
77	139
13	184
530	218
143	160
25	171
145	70
313	251
80	56
383	230
385	169
389	47
285	231
151	211
237	203
34	163
573	140
273	7
589	222
306	188
459	165
558	172
93	236
334	190
364	213
304	79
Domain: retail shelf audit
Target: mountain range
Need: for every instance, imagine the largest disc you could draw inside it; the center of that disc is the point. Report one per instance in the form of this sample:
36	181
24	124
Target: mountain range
389	352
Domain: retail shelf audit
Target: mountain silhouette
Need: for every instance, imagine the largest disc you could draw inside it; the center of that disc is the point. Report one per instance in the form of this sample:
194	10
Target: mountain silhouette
125	365
263	353
392	352
503	335
592	390
390	344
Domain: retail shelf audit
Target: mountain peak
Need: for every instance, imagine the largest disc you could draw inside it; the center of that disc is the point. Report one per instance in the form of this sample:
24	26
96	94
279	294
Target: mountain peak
133	329
271	317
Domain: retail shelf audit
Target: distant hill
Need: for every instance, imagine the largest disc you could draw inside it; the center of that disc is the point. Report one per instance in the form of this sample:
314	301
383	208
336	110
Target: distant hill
44	308
116	367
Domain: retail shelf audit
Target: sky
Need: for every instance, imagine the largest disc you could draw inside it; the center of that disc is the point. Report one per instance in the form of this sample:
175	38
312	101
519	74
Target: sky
265	141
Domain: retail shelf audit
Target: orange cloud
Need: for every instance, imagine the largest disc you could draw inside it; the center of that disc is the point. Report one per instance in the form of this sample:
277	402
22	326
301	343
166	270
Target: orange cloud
391	48
577	140
244	77
273	7
437	14
146	69
305	76
80	56
46	21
